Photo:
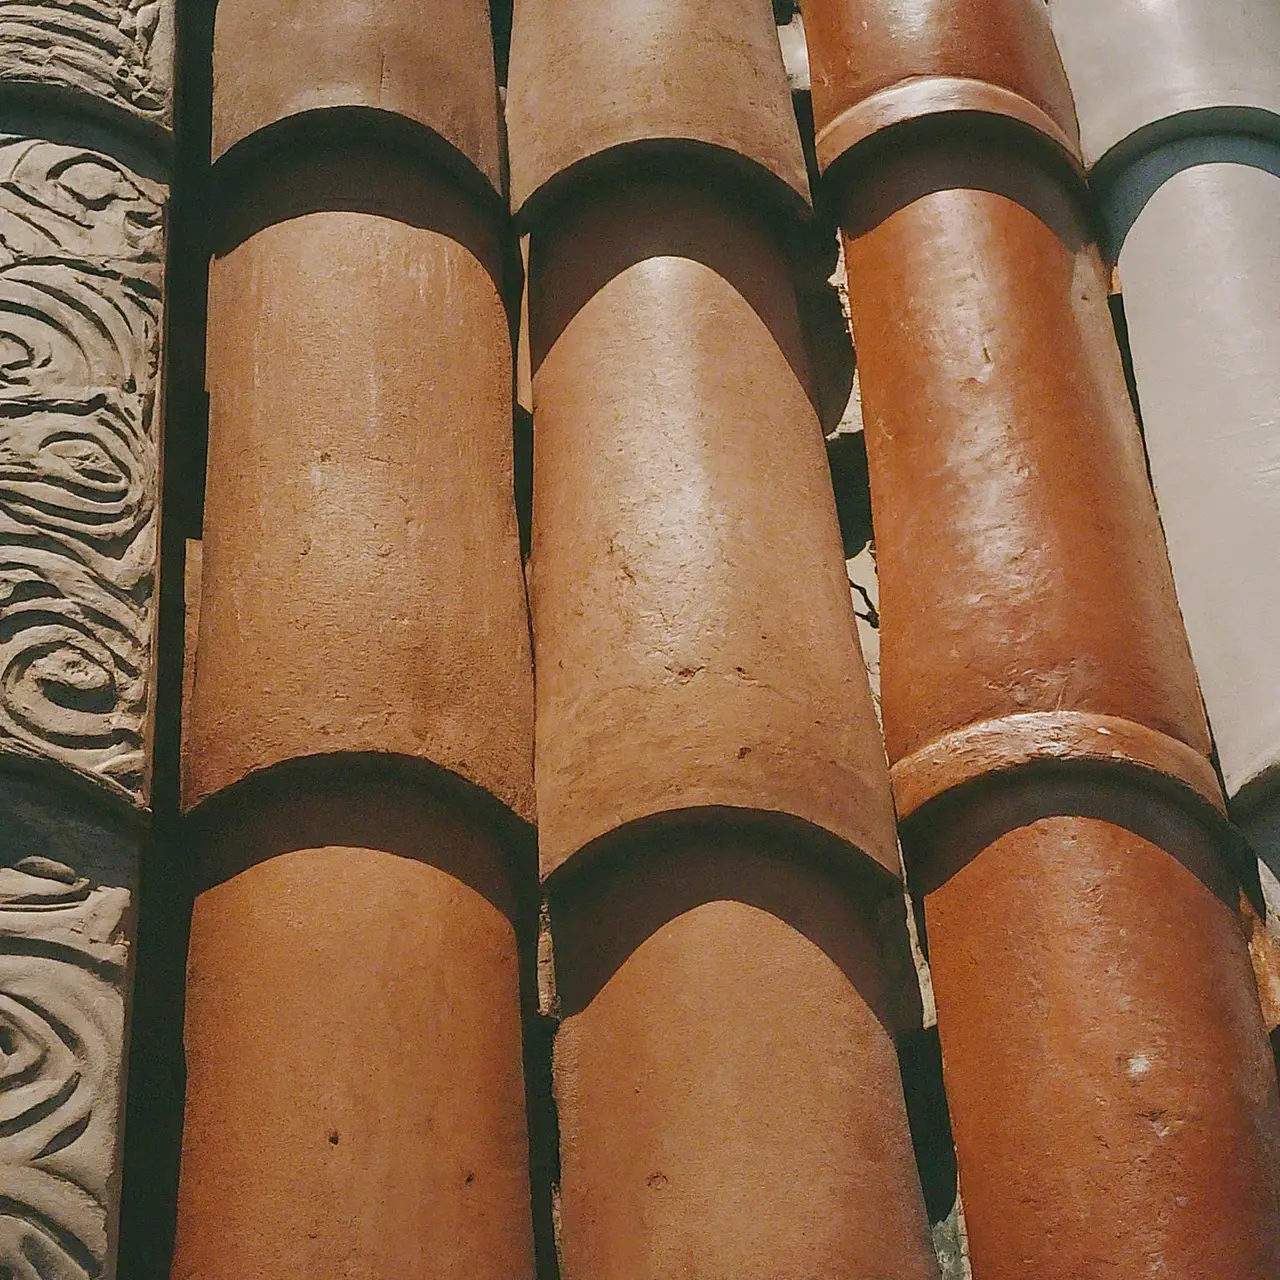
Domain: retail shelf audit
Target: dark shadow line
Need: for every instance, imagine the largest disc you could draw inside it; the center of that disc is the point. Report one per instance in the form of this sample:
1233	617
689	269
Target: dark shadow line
929	1119
541	1116
59	113
943	836
830	350
415	147
814	245
1124	192
851	480
1256	811
964	150
659	869
43	949
663	210
743	182
1120	322
153	1114
105	804
500	22
346	791
346	175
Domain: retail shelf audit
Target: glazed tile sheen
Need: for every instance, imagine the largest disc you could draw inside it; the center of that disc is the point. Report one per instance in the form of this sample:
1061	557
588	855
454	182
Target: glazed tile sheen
877	65
1036	589
1022	570
1114	1105
1111	1088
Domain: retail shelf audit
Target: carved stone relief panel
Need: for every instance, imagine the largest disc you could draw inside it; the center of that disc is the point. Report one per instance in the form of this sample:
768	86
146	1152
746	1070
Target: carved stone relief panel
65	894
117	51
81	266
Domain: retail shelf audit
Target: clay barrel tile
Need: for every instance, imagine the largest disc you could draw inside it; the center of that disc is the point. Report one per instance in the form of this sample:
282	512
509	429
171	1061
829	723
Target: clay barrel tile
715	823
353	999
1111	1088
662	77
1030	636
714	814
344	471
360	718
1049	748
728	1093
1171	68
431	64
1025	619
1189	140
340	463
688	585
876	65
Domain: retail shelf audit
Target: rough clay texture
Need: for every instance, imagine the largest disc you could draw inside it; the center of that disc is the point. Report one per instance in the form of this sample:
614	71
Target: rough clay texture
1134	64
726	1083
1142	1142
118	52
588	78
432	64
874	64
1003	589
81	274
65	914
687	580
355	1098
362	587
1201	275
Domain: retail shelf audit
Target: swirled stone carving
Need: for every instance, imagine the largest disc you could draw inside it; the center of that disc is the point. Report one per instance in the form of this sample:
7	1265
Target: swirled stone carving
63	967
81	264
116	51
